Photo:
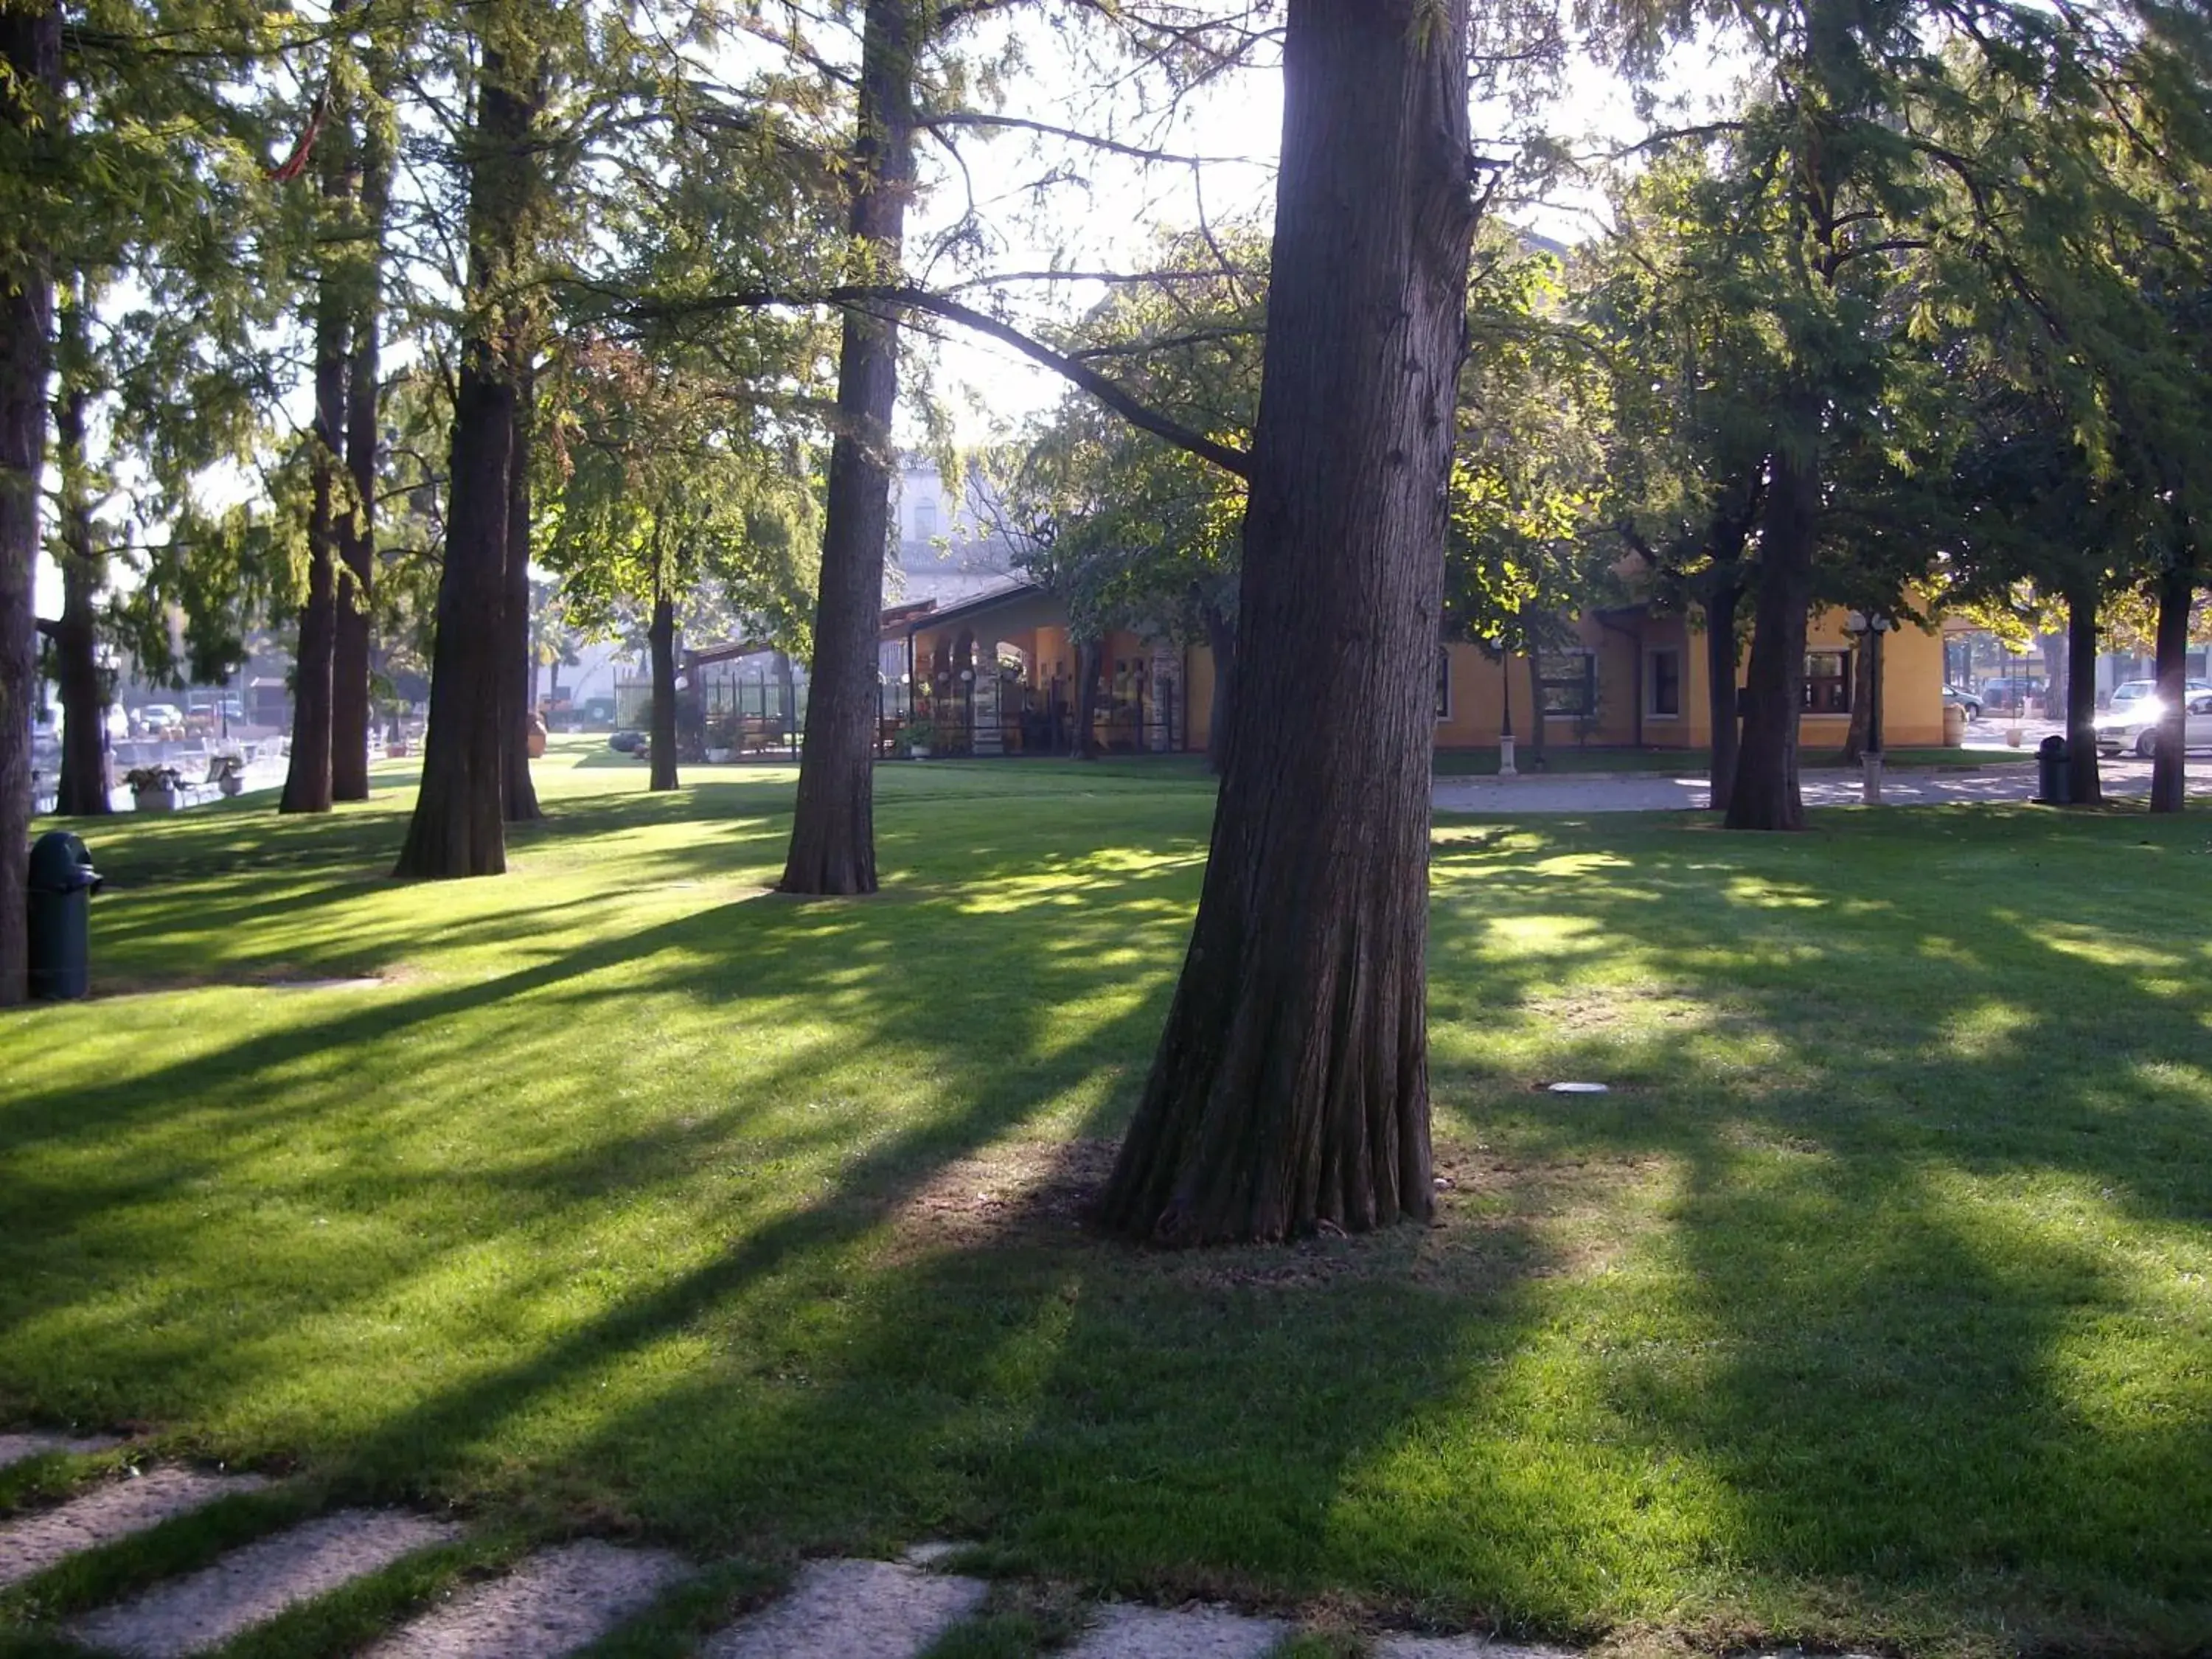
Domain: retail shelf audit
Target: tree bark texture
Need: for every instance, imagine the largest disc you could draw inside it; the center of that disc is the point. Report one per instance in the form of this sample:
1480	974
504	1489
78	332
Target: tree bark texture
1535	713
458	828
1723	594
2176	591
1290	1088
833	833
351	657
307	779
1221	641
1082	741
1765	795
661	637
517	795
31	55
83	790
2088	788
1863	670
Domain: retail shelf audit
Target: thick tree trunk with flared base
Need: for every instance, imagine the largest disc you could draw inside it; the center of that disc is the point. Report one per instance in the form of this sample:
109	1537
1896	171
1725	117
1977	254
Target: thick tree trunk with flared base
1290	1090
2169	780
2087	785
308	778
83	789
458	828
1221	641
31	53
661	636
1765	795
517	795
833	826
1722	599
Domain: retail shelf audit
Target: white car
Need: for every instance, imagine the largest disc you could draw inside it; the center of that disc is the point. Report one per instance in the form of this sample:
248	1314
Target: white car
2132	723
158	718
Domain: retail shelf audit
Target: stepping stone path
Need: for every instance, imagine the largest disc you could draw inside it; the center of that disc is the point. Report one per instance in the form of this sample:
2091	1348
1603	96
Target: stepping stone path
30	1546
1201	1633
257	1583
17	1448
853	1610
551	1604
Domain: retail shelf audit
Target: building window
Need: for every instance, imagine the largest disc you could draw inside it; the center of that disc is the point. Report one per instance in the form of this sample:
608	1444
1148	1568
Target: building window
925	520
1443	683
1569	679
1664	685
1827	682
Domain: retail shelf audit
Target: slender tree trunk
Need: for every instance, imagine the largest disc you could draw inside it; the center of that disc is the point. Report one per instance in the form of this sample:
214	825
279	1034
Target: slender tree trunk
83	790
1765	795
1083	742
458	828
833	831
517	795
308	784
2057	680
1863	670
2169	777
351	711
2088	789
1724	593
1290	1088
660	636
1221	641
30	99
1536	723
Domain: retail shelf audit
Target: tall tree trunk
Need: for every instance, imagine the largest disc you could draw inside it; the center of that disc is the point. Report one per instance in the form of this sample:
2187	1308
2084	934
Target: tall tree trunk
1221	641
1536	722
2169	778
83	789
1765	795
2057	681
30	100
1082	741
661	636
1724	593
307	780
517	795
2088	788
351	663
1863	669
1290	1088
833	829
458	828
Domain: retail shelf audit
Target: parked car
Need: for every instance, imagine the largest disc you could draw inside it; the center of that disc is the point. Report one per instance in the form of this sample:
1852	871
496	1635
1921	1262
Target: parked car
2127	691
2010	694
1958	697
159	720
2133	726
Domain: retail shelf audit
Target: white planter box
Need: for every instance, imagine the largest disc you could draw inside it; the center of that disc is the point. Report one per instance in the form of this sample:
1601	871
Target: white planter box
154	800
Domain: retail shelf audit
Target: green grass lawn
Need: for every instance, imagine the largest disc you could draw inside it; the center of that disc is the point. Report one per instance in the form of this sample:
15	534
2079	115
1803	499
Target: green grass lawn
1870	1307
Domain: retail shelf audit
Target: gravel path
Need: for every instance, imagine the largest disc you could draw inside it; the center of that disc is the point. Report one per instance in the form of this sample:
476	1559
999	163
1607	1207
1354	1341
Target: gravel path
552	1604
255	1584
853	1610
30	1546
1123	1632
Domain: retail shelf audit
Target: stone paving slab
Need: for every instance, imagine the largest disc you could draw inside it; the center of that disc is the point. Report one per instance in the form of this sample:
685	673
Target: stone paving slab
1198	1632
1463	1647
253	1584
551	1604
15	1448
29	1547
853	1610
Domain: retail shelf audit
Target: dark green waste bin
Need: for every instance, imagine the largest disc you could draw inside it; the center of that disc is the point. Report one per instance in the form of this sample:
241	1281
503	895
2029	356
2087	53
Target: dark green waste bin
63	882
2054	776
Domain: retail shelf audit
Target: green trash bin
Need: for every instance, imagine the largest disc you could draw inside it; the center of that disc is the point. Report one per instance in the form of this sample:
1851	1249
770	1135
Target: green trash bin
62	884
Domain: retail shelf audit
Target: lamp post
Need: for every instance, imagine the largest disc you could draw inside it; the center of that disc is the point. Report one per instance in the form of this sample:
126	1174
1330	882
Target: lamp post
968	687
1866	630
1505	766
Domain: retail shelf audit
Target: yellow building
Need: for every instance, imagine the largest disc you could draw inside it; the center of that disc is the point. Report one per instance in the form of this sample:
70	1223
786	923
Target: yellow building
1634	680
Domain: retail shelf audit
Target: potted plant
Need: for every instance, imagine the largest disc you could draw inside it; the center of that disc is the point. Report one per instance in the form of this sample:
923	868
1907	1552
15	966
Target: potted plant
154	788
228	772
920	738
